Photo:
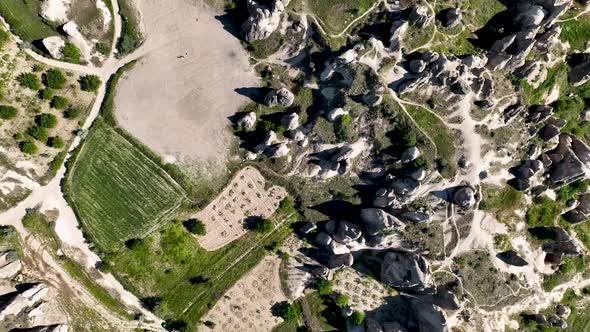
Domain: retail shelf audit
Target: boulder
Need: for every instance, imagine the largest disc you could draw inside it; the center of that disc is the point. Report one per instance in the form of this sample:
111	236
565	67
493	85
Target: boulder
556	321
404	186
450	17
290	121
404	270
567	248
445	298
22	300
416	217
377	221
539	113
10	265
420	16
74	35
582	212
461	88
417	66
510	257
567	162
418	174
277	150
580	73
54	45
334	114
322	272
338	261
548	132
398	31
464	196
529	16
338	248
263	20
308	227
297	136
373	325
347	232
281	97
430	318
563	311
323	239
372	99
269	139
248	121
502	44
410	154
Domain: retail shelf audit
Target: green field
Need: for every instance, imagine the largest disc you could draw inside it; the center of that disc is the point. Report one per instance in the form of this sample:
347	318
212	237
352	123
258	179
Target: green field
24	20
335	15
162	265
576	32
117	192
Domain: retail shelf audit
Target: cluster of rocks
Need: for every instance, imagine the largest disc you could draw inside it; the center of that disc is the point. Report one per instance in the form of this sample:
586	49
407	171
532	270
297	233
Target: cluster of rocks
580	72
263	20
10	265
562	244
326	161
462	75
55	44
579	209
556	320
526	25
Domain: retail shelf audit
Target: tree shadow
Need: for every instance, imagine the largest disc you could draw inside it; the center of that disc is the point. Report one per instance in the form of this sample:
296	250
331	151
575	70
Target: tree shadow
255	94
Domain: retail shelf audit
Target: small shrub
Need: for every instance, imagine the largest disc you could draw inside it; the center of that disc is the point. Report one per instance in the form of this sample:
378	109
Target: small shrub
28	147
341	300
56	142
290	312
263	225
7	112
286	205
54	78
39	133
195	226
59	102
103	48
90	82
29	80
46	120
357	318
18	136
71	53
4	38
323	286
72	113
38	67
46	94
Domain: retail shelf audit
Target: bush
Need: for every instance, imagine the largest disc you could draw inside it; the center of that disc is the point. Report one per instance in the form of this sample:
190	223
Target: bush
341	128
151	303
286	205
263	225
209	324
7	112
38	67
72	113
59	102
46	120
90	82
409	138
29	80
103	48
28	147
341	300
71	53
54	79
290	312
195	226
323	286
46	94
39	133
56	142
357	318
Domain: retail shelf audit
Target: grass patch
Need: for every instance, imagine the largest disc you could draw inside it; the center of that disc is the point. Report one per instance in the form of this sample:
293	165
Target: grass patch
543	212
416	37
335	15
567	270
576	32
440	135
24	20
37	224
503	202
117	191
187	279
555	75
261	49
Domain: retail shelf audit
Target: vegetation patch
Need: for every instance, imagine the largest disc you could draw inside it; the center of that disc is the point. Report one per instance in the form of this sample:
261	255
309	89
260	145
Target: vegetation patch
117	191
576	32
24	19
131	37
336	15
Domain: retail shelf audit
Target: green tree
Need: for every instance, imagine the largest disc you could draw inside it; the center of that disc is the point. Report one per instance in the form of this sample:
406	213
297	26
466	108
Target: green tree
290	312
7	112
28	147
29	80
263	225
54	79
195	226
56	142
90	82
357	318
59	102
71	53
73	113
39	133
46	120
46	94
341	127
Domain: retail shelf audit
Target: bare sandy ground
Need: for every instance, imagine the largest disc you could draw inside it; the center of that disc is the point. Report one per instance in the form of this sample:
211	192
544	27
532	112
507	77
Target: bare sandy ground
178	97
246	195
247	305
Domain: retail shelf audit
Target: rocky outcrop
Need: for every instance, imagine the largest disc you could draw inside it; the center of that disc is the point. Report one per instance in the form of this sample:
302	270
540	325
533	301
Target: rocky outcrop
54	45
568	162
339	261
10	265
376	221
290	121
406	271
582	212
333	161
347	232
280	97
510	257
23	300
580	73
263	21
248	121
464	196
450	17
410	154
420	16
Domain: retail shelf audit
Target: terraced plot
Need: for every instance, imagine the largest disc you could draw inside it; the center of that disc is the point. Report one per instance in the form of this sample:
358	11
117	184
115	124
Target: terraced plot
117	192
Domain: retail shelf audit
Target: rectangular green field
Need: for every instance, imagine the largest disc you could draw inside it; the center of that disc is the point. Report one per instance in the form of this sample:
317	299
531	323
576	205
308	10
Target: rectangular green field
335	15
24	20
117	192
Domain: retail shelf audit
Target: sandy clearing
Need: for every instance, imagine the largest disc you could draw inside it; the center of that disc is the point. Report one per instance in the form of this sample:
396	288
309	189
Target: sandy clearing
247	305
178	97
244	196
